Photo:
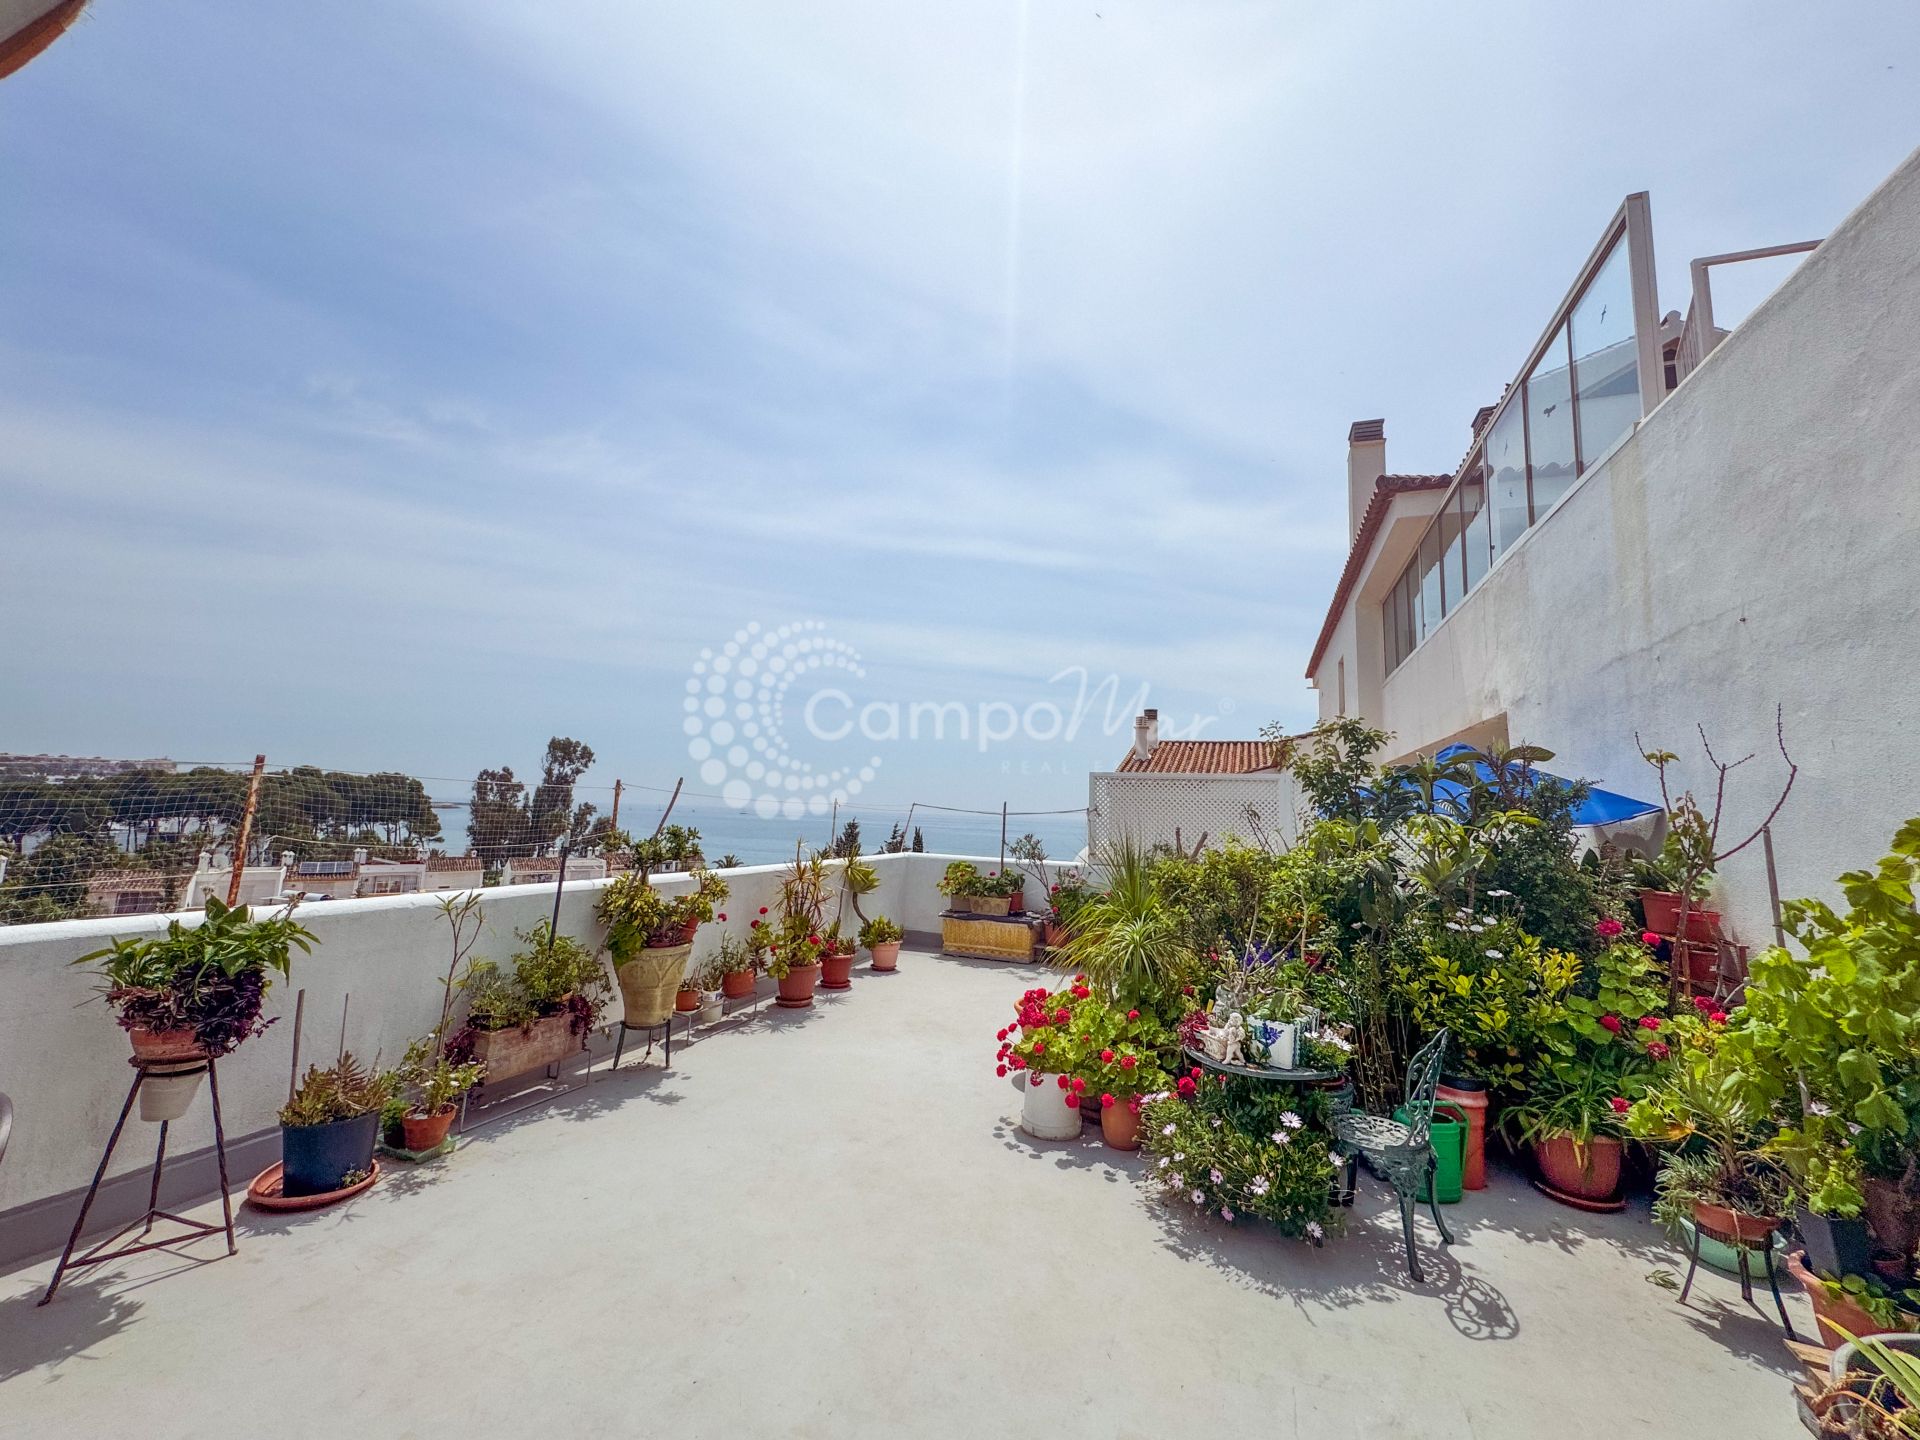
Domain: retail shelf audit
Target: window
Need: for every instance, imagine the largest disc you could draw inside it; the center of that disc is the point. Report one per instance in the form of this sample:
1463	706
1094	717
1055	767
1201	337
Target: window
1452	571
1550	425
1507	464
1606	374
1474	525
1431	606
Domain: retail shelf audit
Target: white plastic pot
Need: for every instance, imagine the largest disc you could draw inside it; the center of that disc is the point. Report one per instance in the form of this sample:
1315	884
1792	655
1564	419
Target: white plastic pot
1045	1113
1283	1042
712	1006
167	1092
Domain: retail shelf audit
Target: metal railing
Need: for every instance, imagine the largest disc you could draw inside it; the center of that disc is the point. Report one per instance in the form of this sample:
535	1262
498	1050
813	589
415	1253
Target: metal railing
1699	335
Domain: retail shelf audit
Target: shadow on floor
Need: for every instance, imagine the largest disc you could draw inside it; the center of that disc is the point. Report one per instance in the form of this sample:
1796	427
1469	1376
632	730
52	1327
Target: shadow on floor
82	1315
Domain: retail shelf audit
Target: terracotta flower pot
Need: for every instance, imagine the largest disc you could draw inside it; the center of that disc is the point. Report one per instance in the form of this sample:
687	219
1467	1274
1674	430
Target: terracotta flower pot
886	955
152	1045
1662	909
1120	1126
686	999
428	1132
836	971
1720	1221
736	984
1833	1313
649	981
1052	933
1584	1172
796	986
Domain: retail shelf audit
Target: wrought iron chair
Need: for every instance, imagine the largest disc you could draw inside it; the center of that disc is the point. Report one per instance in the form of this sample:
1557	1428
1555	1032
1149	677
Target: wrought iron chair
1400	1153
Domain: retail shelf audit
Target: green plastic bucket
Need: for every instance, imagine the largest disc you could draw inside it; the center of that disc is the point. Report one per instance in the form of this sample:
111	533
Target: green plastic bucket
1448	1134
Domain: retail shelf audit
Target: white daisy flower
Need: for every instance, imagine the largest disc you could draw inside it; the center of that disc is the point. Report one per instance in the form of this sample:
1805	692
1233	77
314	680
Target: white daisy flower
1167	1129
1216	1176
1226	1213
1164	1162
1493	954
1290	1120
1199	1197
1258	1185
1314	1232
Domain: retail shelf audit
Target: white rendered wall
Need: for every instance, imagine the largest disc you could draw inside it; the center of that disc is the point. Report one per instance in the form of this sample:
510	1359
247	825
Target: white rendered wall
63	1060
1756	542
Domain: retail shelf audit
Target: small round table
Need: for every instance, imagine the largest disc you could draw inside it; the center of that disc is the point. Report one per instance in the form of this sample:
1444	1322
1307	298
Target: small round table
1266	1072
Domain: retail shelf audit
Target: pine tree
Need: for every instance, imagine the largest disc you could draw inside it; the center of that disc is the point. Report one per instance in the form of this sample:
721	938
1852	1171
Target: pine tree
919	844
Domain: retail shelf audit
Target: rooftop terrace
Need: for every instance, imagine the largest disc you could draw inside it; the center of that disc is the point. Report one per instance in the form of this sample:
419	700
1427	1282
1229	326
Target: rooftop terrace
825	1222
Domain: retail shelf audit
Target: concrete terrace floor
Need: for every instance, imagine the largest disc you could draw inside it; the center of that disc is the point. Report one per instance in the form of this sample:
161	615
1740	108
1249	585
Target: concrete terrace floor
826	1224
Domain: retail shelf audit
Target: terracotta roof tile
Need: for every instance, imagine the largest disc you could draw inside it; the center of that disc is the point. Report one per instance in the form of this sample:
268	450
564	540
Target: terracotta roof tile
1384	489
1200	757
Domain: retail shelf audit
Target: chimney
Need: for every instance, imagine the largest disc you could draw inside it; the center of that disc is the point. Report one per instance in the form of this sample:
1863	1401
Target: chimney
286	859
1366	463
1146	733
360	855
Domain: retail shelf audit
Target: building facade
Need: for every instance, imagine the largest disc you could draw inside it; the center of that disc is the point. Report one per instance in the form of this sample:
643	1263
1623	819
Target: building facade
1621	562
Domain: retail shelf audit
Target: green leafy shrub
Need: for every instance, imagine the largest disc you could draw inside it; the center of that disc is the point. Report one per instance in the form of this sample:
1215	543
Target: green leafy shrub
1219	1148
343	1091
880	931
550	974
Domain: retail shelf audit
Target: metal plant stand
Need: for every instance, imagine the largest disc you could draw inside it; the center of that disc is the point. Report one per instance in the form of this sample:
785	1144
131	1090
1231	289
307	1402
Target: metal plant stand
620	1044
1741	1247
193	1229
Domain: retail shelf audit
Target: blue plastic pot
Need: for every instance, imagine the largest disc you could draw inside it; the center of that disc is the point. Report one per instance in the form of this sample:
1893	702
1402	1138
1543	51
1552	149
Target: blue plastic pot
316	1159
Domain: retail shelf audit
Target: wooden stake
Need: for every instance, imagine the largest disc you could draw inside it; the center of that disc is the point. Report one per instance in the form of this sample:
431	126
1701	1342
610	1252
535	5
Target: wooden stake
670	804
613	821
246	831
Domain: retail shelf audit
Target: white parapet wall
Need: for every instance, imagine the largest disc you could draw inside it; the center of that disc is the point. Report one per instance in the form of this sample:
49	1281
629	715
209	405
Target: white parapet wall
63	1060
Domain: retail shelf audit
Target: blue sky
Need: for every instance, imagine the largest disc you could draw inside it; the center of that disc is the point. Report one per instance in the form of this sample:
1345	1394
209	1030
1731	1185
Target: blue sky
394	385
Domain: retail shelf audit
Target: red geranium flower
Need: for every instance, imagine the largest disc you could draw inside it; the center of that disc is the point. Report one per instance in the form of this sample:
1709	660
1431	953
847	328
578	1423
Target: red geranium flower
1611	1022
1064	1082
1186	1086
763	909
754	926
1001	1035
1072	1102
1658	1049
1649	1022
1195	1072
1718	1017
1186	989
1106	1102
722	915
1127	1062
1702	1003
1649	939
1608	928
1078	1085
1018	1062
1034	1080
1001	1071
1106	1057
1619	1104
1133	1014
1039	1047
1062	1015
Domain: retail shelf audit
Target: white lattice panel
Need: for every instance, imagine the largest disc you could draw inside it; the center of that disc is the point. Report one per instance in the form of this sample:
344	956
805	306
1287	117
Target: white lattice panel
1160	809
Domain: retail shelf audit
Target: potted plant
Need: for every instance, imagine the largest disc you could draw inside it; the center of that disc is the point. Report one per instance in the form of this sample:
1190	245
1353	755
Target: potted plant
1600	1052
1719	1174
1829	1042
707	980
1122	1054
650	934
993	892
1847	1307
1039	1048
534	1016
429	1084
957	883
882	938
797	946
194	993
741	960
328	1128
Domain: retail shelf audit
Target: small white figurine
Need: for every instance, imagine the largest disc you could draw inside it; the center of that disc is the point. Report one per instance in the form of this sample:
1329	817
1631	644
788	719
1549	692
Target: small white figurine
1236	1040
